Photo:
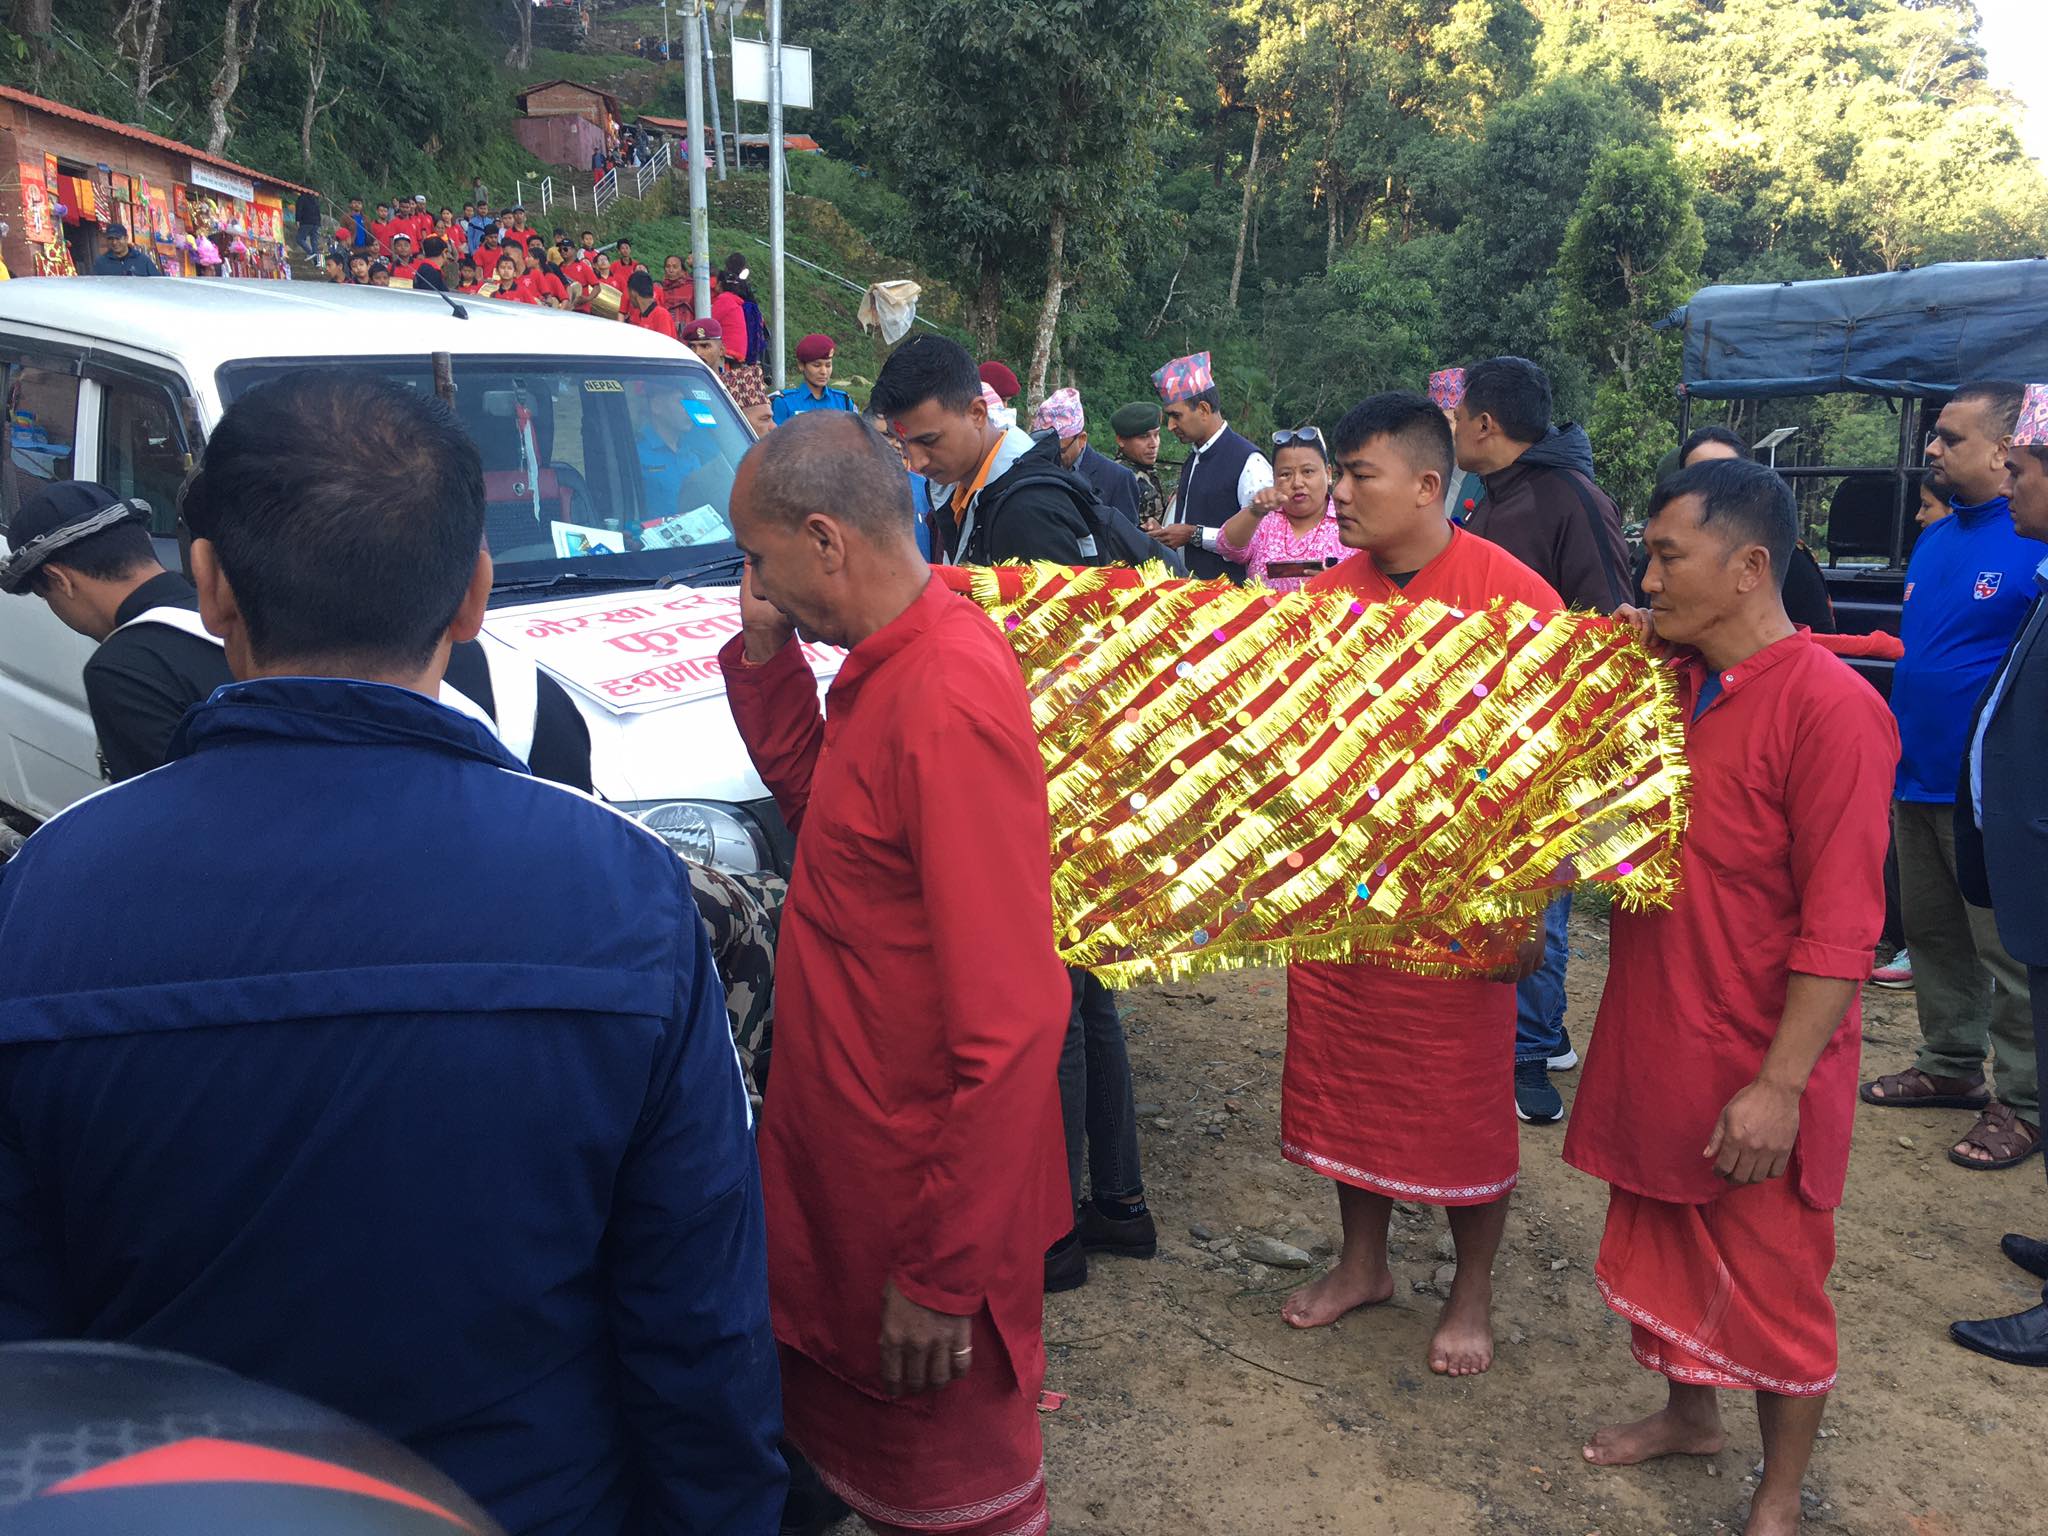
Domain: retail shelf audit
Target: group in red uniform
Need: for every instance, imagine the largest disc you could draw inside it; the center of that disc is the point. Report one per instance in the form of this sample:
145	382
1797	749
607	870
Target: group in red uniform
912	1155
911	1140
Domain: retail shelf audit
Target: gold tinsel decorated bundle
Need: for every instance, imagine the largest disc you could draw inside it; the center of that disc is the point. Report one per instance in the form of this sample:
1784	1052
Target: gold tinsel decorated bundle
1238	778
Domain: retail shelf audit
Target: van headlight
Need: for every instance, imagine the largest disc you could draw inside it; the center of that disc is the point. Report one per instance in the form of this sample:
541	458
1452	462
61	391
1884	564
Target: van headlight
705	832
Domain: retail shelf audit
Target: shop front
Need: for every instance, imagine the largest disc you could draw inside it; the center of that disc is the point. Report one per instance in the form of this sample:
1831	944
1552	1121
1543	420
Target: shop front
66	175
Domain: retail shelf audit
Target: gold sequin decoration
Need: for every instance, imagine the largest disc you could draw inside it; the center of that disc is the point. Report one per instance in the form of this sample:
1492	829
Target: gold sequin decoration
1235	801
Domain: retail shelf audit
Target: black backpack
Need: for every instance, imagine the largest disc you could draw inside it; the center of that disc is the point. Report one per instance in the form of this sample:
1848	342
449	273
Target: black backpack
1117	540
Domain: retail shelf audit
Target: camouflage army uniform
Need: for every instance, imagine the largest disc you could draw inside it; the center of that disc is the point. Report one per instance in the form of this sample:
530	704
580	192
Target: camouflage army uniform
742	915
1151	499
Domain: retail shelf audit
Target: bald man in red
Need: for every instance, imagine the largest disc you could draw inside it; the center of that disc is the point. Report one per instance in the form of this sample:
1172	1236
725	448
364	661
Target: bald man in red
1720	1091
1400	1086
912	1158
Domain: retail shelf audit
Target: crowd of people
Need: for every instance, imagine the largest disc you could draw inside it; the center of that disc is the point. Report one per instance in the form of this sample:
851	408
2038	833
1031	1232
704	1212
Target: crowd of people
502	257
498	1152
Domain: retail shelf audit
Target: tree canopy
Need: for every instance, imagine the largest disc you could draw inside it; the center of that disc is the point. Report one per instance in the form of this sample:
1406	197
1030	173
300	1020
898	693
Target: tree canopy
1334	197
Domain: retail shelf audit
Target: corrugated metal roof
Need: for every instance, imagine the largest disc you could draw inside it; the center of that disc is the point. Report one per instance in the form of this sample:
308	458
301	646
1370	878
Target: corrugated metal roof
519	96
797	141
143	136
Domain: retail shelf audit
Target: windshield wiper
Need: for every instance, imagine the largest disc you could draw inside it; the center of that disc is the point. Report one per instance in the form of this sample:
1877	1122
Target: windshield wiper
693	575
569	581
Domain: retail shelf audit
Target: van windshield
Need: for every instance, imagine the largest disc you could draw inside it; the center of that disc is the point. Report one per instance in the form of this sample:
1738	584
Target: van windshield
593	467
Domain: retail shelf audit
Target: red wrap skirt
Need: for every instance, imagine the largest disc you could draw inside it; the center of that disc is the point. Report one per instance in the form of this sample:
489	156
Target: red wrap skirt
1401	1084
1732	1293
966	1460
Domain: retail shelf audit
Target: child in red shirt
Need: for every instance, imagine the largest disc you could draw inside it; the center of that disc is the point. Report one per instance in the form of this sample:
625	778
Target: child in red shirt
509	284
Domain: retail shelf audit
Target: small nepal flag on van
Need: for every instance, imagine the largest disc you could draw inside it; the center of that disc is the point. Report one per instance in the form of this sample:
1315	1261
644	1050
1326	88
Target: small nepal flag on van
1987	584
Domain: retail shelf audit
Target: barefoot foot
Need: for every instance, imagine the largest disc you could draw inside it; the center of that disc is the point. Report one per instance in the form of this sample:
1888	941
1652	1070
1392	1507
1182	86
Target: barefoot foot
1342	1290
1463	1342
1663	1433
1774	1514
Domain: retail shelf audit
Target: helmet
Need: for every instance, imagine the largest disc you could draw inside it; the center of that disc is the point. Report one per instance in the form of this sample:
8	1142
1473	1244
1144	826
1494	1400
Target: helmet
105	1439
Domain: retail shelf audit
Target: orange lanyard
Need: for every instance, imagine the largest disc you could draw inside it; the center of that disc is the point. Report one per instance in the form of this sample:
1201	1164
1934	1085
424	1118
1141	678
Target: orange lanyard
963	494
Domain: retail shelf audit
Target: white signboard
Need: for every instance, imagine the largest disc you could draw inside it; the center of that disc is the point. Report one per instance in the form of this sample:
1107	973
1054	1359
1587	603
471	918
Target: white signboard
750	72
637	651
234	186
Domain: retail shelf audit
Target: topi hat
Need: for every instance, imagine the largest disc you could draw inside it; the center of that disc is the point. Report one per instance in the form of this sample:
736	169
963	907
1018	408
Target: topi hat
1061	412
1184	378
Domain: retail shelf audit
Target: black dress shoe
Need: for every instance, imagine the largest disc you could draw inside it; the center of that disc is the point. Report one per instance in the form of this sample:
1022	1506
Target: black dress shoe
1129	1237
811	1508
2021	1339
2030	1253
1066	1265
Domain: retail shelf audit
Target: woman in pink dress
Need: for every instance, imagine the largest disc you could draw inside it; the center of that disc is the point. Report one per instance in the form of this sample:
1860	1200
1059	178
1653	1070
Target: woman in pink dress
1289	532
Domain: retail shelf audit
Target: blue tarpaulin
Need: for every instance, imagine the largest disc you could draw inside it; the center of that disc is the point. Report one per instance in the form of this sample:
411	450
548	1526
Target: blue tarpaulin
1893	333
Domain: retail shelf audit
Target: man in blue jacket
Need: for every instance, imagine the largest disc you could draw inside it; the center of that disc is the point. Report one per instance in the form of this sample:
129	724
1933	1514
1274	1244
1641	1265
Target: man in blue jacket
345	1054
122	257
1968	588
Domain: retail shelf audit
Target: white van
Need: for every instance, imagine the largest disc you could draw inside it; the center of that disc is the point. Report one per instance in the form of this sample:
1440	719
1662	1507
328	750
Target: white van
608	452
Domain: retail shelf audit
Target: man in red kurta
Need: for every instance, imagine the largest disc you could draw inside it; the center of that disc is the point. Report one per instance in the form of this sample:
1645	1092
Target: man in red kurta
1720	1092
1440	1127
911	1150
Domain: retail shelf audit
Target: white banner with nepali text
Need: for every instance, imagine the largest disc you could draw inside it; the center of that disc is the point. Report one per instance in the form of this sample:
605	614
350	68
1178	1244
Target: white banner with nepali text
635	651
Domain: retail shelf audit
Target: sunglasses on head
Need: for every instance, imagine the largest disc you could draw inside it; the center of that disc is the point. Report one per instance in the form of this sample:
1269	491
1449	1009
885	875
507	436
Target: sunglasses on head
1298	435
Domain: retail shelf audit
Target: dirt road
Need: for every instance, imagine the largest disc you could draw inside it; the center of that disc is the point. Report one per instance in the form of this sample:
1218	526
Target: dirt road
1194	1409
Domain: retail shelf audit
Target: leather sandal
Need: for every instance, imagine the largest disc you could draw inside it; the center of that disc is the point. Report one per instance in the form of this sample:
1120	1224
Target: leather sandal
2003	1134
1914	1089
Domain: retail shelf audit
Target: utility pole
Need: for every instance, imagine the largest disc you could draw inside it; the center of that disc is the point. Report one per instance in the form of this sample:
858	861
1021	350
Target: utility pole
776	179
700	221
711	88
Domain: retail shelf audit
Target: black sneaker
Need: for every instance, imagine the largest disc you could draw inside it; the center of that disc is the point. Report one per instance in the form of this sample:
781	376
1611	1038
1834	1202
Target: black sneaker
1066	1264
1536	1101
1129	1237
1566	1058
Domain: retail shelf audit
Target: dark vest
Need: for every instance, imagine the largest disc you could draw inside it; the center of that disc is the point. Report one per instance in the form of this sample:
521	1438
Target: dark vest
1999	865
1206	495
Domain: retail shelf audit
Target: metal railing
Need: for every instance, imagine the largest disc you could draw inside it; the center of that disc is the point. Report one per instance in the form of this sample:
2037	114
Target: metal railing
636	182
649	173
